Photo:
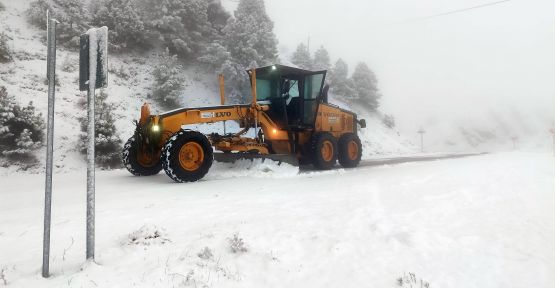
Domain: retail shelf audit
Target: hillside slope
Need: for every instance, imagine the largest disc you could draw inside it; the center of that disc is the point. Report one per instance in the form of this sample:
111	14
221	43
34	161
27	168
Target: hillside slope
130	83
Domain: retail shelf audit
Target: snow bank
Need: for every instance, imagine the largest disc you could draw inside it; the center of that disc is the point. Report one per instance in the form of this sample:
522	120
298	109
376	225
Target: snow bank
258	168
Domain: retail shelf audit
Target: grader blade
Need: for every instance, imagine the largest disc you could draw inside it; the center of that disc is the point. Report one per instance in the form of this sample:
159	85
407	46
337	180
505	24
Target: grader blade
233	157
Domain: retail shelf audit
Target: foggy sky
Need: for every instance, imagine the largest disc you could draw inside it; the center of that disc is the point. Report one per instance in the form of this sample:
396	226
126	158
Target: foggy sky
440	67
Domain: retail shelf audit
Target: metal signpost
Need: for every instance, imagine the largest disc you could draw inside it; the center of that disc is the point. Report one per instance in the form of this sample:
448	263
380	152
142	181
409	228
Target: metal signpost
93	74
552	130
421	132
51	75
514	139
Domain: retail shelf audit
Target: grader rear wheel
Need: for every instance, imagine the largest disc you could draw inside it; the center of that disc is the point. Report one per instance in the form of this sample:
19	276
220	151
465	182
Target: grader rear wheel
350	150
187	156
140	163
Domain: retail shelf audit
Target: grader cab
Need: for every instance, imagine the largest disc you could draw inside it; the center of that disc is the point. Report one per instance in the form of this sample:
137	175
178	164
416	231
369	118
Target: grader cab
289	115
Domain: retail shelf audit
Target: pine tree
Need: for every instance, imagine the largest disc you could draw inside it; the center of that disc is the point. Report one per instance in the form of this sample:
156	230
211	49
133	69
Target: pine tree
107	141
321	59
366	86
122	18
21	129
340	84
217	16
5	51
250	41
183	26
301	57
169	79
250	37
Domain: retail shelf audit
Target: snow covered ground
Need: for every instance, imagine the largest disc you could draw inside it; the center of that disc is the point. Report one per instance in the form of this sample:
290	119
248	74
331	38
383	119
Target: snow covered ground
483	221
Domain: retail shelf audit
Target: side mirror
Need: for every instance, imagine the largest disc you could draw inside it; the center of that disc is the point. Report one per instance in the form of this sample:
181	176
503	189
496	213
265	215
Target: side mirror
325	93
362	123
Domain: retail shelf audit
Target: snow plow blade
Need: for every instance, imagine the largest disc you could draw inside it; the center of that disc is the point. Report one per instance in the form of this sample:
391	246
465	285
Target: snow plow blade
232	157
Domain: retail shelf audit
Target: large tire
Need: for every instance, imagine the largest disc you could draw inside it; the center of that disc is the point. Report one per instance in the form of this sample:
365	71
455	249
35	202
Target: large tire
323	147
350	150
137	166
187	156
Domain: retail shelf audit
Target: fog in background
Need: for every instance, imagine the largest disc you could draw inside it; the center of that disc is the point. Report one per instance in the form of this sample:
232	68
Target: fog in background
443	68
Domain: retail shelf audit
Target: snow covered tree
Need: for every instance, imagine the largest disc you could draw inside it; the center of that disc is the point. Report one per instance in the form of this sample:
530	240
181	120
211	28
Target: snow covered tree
183	26
301	57
5	51
2	7
217	15
321	59
169	79
366	86
249	37
340	84
388	121
122	18
215	55
36	14
20	129
72	13
107	141
250	41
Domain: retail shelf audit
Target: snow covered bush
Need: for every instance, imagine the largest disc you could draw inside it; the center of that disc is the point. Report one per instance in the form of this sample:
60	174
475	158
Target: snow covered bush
2	7
20	129
205	254
168	81
107	140
72	14
236	244
411	281
147	235
68	65
5	51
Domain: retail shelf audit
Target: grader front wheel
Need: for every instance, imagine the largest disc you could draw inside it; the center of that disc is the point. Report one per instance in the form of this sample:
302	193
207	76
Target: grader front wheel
187	156
140	163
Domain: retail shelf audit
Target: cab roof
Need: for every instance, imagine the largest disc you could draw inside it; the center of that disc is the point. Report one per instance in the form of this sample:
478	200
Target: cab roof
285	70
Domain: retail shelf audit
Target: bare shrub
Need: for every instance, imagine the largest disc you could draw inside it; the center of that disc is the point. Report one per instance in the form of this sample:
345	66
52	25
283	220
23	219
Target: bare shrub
236	244
410	280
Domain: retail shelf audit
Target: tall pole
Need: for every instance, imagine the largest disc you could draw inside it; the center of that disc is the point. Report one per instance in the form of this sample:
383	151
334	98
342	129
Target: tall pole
51	73
93	46
553	135
421	132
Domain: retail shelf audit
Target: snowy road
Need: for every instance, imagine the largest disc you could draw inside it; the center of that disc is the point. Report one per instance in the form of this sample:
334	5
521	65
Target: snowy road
483	221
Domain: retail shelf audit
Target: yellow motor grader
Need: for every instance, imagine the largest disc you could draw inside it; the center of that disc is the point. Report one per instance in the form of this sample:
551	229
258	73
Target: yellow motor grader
289	114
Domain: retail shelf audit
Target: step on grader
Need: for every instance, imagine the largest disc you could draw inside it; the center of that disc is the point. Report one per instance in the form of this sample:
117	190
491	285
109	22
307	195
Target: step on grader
289	114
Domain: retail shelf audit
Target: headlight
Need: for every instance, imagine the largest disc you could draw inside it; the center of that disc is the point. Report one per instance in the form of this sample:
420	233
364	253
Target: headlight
155	128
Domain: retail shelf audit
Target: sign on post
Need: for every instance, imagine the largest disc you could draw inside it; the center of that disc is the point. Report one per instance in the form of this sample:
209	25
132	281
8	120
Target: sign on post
93	74
100	48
